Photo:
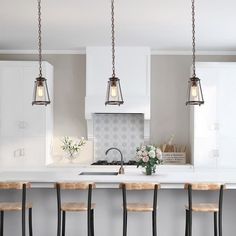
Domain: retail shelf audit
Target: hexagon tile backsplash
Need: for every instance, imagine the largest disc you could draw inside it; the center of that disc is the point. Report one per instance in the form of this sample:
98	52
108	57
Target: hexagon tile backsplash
123	131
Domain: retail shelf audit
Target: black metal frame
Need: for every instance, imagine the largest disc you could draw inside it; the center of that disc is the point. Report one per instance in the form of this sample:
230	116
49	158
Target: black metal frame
41	81
154	212
23	216
188	226
61	215
194	80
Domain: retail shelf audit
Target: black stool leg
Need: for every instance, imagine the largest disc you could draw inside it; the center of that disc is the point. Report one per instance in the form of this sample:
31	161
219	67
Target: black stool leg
63	223
187	224
30	222
2	222
125	223
215	223
23	223
190	223
92	222
220	224
154	223
89	215
59	223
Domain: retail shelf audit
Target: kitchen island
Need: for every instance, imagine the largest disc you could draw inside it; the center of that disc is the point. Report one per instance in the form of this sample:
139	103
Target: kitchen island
107	196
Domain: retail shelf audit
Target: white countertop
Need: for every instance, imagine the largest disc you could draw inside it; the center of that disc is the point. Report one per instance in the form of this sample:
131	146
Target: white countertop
169	178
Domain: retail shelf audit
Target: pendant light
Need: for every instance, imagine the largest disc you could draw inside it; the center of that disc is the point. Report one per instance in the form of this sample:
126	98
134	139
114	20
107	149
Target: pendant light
114	94
40	95
194	95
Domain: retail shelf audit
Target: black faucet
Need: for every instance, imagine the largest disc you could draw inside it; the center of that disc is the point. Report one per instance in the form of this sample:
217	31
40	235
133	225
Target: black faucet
121	170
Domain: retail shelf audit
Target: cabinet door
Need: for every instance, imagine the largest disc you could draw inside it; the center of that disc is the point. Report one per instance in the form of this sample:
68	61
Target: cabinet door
214	122
227	117
206	120
11	92
33	116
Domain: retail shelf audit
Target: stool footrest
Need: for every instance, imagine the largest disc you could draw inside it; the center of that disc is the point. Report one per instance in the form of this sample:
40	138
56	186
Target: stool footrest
75	206
13	206
139	207
204	207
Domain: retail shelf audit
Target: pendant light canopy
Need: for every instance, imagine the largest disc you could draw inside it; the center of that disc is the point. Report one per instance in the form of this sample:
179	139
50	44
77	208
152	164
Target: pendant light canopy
41	94
194	95
114	94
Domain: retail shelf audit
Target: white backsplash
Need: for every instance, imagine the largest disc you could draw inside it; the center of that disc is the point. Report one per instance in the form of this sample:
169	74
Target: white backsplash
123	131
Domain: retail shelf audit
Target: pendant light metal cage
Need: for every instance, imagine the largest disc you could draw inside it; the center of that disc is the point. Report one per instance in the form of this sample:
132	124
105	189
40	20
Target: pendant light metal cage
40	93
114	93
194	94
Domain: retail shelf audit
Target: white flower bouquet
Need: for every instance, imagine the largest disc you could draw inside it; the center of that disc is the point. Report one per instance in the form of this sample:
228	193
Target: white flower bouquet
72	147
148	157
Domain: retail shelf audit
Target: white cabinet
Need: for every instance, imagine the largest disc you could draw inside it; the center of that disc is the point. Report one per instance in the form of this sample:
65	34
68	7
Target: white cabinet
213	124
26	131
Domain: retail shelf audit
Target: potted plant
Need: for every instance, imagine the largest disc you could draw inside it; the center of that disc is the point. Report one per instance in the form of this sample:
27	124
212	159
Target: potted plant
72	147
148	157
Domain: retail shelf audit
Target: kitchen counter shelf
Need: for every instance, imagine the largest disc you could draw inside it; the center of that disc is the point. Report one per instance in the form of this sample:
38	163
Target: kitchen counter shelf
168	178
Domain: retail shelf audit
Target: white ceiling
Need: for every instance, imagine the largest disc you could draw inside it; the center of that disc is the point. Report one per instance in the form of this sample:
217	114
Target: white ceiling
160	24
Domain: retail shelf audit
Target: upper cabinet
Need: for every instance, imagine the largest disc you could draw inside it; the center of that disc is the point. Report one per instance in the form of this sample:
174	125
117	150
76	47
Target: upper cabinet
133	70
213	124
20	122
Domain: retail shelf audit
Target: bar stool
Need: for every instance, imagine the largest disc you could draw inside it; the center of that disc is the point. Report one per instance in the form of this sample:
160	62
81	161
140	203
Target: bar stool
63	207
16	206
139	207
215	208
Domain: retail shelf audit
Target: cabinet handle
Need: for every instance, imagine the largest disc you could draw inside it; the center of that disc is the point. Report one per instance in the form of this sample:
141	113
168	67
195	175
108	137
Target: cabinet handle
215	153
17	153
22	152
22	124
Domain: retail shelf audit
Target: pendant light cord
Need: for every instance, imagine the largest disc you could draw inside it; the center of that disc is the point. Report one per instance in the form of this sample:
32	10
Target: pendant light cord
113	37
39	38
193	39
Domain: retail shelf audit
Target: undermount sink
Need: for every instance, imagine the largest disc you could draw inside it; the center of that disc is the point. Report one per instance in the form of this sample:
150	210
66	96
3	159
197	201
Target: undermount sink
98	173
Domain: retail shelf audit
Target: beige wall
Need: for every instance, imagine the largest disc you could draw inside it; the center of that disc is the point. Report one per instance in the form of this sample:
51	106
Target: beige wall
169	76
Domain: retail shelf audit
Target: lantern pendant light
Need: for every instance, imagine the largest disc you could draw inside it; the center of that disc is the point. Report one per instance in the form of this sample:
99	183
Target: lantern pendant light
114	94
194	95
41	94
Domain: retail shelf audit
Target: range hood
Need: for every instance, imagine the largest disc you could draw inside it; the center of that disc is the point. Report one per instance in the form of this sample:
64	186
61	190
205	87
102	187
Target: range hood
133	70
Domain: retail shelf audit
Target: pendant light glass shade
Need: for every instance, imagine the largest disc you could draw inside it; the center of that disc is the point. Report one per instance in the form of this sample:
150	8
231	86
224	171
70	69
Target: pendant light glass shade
41	95
195	96
114	94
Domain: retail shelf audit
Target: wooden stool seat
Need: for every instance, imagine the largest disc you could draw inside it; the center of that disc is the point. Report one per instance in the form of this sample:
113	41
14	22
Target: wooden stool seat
13	206
139	207
75	206
204	207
